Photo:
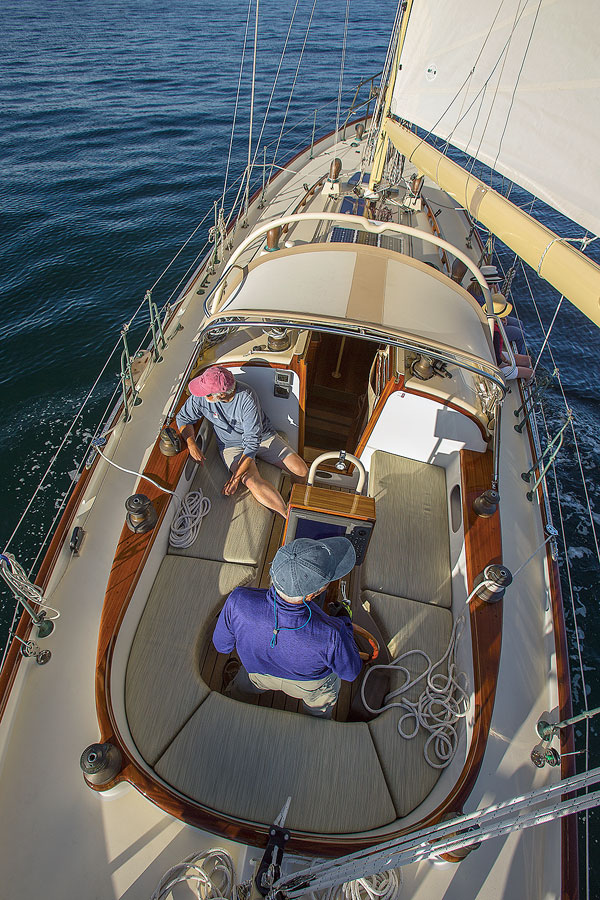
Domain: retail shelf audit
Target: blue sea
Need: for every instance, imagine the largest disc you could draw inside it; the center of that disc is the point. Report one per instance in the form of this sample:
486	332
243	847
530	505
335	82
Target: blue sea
115	123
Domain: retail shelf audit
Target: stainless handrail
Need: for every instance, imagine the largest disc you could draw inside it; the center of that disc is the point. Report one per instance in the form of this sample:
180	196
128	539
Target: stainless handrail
365	332
360	223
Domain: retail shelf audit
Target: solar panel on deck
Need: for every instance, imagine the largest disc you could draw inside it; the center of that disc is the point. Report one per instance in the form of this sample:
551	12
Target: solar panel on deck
342	236
391	243
365	237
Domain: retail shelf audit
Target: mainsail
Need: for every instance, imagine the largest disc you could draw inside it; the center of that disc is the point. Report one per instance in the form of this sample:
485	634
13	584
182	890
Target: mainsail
514	84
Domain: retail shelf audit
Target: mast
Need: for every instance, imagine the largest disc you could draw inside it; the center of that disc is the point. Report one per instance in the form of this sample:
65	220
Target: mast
567	269
383	140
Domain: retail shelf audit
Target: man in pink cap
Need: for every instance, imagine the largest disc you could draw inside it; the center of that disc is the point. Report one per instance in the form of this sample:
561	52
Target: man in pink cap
243	432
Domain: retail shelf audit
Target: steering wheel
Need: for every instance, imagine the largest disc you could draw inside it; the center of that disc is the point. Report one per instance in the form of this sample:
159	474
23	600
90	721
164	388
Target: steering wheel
366	638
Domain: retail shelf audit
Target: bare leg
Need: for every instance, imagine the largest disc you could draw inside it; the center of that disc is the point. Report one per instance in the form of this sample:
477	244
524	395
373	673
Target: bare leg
296	467
264	492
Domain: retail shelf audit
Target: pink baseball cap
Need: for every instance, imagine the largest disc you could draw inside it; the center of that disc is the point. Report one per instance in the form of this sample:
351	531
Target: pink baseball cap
214	380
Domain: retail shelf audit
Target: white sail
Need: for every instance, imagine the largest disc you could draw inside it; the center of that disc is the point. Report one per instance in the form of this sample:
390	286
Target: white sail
515	84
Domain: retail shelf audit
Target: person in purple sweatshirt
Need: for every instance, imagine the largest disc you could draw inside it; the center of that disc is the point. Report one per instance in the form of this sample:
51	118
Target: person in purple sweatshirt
284	640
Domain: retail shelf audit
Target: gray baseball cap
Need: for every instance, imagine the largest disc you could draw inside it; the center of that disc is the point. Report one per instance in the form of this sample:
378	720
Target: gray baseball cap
305	566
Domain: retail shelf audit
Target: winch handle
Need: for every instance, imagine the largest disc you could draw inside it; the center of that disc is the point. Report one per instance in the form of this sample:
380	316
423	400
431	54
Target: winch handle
342	456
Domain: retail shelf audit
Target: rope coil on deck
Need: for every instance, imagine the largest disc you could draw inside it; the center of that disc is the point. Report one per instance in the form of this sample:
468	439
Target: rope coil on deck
440	705
16	578
212	873
383	886
188	519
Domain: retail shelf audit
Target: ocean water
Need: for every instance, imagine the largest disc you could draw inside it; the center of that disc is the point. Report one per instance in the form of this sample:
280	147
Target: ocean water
115	122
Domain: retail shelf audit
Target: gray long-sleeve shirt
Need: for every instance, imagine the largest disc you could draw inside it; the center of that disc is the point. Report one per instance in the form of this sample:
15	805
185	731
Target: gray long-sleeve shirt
239	423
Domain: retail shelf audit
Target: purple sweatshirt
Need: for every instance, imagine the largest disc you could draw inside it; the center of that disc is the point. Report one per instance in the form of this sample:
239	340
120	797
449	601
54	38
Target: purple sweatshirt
322	646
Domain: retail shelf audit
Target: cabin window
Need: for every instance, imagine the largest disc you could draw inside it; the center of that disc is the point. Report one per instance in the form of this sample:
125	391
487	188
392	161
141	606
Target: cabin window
455	508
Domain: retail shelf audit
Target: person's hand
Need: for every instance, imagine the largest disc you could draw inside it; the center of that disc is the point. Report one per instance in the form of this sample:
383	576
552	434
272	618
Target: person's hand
195	451
231	485
339	608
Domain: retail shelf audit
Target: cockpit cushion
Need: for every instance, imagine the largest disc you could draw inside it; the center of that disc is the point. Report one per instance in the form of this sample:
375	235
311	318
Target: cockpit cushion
236	528
409	553
163	686
408	625
246	760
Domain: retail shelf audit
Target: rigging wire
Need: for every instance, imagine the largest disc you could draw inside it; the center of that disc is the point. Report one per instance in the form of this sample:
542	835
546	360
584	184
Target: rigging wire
252	92
287	109
343	59
276	79
567	566
372	139
547	335
579	649
74	479
237	97
62	443
489	115
512	99
557	493
564	397
430	132
88	397
181	249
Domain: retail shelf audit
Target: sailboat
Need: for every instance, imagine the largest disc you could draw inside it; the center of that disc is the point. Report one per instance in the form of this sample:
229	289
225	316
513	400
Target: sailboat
354	292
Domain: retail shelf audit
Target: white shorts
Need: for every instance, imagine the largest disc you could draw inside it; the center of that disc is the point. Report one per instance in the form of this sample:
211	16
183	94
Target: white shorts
272	449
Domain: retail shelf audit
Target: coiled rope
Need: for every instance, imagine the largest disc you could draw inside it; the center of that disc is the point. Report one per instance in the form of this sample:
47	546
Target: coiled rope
211	873
188	518
16	578
440	705
382	886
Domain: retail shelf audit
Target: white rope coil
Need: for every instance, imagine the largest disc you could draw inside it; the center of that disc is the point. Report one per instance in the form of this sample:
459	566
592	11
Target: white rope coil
186	524
383	886
440	705
211	873
188	519
16	578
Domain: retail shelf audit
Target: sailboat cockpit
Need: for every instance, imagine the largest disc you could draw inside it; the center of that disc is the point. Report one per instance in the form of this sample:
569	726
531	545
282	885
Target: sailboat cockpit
379	370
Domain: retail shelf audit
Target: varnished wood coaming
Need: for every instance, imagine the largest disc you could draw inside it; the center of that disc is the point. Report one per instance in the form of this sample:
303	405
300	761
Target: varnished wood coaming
482	547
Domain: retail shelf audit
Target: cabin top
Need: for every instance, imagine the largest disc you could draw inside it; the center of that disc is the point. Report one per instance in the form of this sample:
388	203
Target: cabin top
365	284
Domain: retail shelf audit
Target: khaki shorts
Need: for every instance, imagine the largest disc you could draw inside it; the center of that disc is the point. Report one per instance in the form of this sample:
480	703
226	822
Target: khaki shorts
319	697
273	449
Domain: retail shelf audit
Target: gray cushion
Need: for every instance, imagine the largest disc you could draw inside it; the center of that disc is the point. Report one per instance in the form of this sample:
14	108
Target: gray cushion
236	528
246	760
163	685
409	553
407	625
